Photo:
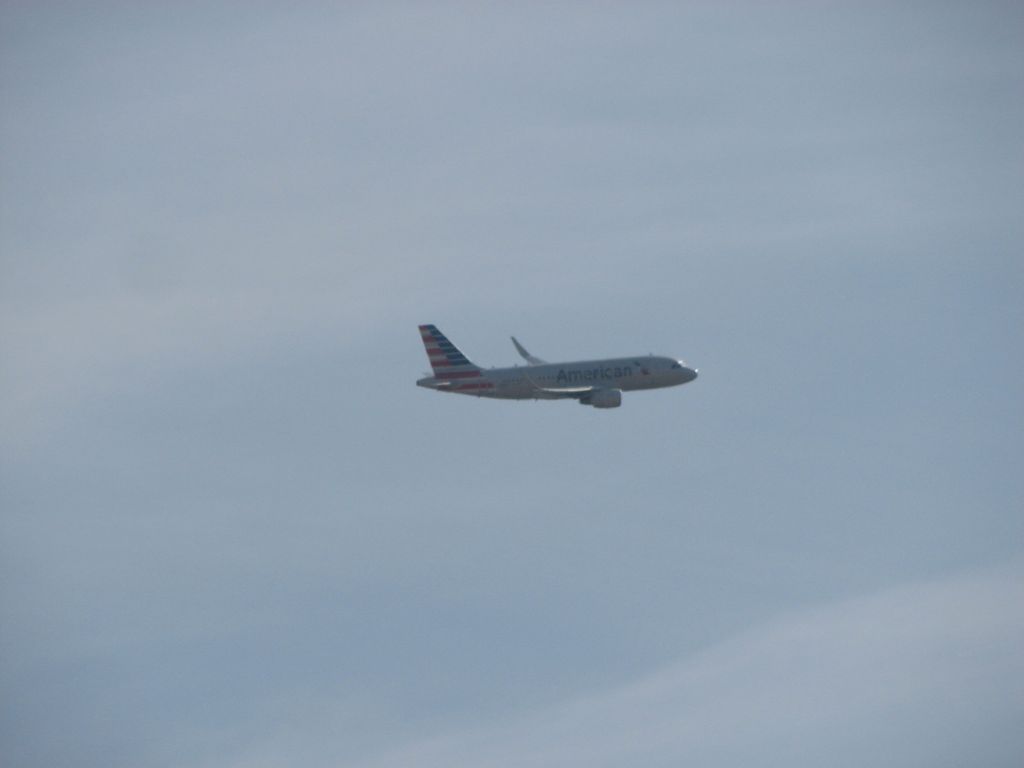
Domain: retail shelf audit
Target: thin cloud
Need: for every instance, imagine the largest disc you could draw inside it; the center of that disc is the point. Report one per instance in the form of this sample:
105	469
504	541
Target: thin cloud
828	686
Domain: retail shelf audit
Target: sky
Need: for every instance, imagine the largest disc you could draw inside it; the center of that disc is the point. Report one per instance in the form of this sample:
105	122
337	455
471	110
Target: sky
233	532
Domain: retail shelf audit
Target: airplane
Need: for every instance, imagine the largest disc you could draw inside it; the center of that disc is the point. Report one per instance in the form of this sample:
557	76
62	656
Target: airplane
598	383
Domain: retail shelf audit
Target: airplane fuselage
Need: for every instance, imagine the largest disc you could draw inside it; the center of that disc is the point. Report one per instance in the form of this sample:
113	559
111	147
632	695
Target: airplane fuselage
597	383
530	382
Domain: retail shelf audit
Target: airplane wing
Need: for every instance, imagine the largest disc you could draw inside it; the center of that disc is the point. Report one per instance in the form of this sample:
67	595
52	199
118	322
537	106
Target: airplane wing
526	355
576	392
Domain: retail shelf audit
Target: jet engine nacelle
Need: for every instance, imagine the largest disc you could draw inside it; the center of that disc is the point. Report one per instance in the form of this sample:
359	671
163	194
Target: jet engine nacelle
606	398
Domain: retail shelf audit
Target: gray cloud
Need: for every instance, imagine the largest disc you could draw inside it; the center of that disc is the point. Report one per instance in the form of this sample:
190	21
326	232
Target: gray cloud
923	673
232	529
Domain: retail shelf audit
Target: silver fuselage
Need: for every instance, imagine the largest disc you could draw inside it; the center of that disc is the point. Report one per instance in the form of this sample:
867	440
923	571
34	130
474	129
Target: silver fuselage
529	382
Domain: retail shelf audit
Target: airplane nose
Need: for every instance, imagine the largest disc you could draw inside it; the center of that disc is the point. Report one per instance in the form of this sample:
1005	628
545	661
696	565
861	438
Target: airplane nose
690	374
684	374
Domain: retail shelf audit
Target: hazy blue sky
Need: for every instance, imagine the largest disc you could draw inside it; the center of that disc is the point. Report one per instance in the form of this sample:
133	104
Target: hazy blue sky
234	533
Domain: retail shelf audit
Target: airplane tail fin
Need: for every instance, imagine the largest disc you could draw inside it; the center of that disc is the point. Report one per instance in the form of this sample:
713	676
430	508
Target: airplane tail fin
445	358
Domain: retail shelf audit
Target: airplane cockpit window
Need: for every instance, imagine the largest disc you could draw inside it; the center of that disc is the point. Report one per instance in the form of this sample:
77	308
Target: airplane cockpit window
677	365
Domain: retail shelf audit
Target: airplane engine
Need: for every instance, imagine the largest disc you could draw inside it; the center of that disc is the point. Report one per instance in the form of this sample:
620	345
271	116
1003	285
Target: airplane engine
606	398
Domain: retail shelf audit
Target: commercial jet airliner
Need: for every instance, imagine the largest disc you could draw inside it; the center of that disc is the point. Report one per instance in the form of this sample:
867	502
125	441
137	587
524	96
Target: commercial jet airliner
599	383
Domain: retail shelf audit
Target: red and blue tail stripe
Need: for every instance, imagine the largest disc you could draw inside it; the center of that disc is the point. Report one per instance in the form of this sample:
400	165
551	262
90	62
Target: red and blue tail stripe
445	358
